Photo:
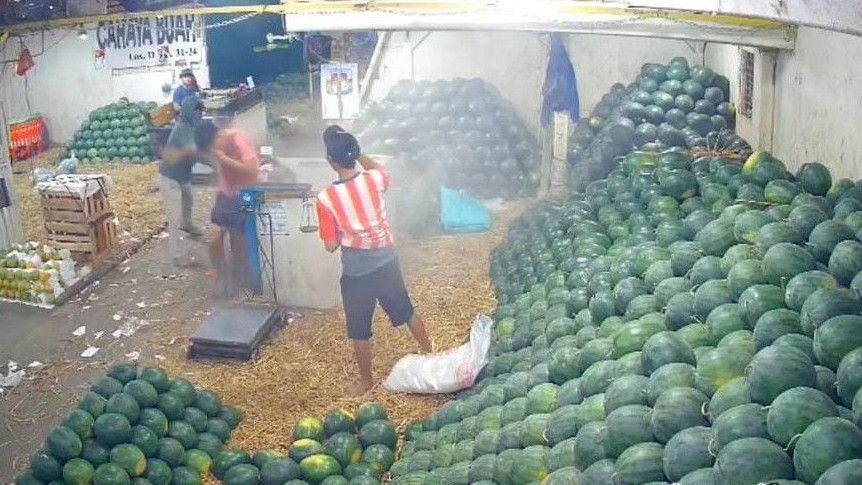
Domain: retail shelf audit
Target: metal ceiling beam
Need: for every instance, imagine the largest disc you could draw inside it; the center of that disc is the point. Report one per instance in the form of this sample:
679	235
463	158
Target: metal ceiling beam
593	17
836	15
538	16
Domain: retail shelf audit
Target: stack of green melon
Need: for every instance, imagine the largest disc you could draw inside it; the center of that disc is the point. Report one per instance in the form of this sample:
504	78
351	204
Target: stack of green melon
460	133
673	105
116	133
340	450
138	426
691	321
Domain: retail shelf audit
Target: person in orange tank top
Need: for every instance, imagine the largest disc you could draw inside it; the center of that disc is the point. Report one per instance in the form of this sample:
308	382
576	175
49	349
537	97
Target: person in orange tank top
237	163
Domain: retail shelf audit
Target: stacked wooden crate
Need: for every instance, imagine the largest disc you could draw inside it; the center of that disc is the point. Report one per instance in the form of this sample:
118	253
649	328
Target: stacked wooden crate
78	214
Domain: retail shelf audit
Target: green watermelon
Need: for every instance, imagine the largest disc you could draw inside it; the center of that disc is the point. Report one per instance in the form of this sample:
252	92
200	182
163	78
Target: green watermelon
640	463
687	451
845	262
826	303
824	443
783	261
801	286
667	377
677	409
759	299
836	337
725	319
590	444
776	369
627	426
718	366
814	178
752	460
849	471
626	390
849	376
733	393
793	410
774	324
826	236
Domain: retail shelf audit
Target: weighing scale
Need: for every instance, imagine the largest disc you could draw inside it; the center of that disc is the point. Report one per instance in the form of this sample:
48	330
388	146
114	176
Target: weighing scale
236	332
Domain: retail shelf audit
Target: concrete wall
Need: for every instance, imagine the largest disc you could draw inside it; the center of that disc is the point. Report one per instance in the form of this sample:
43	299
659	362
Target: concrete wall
818	90
65	86
817	100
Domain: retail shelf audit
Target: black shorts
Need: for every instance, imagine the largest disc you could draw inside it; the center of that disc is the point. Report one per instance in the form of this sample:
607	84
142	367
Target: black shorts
361	293
227	212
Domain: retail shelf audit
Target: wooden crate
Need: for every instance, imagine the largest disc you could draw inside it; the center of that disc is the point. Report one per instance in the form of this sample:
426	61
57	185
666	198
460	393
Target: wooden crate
84	226
162	115
70	208
87	239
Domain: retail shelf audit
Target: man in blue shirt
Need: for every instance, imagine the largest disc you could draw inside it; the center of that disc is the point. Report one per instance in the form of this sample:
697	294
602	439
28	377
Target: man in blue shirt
189	87
175	169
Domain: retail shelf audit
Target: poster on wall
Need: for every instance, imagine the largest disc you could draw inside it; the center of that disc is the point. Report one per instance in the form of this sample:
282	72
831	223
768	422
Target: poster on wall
169	40
339	91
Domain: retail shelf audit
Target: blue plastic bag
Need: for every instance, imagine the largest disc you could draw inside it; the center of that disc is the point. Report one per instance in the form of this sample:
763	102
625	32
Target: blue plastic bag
459	213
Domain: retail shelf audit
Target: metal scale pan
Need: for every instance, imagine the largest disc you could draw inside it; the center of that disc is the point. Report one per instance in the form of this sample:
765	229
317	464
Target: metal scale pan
234	332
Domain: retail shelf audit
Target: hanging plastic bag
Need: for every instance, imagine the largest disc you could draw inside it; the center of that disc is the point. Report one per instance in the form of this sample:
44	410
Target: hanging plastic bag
444	372
459	213
25	62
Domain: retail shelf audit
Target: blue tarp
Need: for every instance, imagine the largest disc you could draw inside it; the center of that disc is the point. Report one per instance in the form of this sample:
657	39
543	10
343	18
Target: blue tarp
560	92
459	213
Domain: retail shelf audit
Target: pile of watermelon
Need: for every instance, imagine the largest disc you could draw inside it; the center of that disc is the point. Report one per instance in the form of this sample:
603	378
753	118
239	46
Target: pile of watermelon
136	425
459	133
342	449
116	133
673	105
684	320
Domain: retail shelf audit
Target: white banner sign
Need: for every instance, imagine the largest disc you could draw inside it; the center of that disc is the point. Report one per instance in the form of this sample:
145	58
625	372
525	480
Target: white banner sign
171	40
339	90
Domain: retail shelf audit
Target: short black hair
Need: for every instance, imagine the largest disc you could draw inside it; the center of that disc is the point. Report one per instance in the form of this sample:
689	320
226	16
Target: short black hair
342	148
205	134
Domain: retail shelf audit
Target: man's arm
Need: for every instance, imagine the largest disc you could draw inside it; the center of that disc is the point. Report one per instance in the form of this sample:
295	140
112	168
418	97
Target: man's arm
369	163
247	166
379	173
173	155
327	228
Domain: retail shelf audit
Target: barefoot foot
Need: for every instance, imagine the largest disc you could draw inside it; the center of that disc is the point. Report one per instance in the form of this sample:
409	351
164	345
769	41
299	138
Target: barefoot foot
358	388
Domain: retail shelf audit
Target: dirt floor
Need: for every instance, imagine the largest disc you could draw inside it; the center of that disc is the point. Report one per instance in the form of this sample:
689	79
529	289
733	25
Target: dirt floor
302	370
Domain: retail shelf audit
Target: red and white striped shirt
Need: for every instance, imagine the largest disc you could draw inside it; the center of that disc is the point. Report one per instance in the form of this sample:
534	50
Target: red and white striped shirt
353	213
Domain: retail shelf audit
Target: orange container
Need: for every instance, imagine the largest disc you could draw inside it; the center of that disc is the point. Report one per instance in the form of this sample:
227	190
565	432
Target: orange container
27	138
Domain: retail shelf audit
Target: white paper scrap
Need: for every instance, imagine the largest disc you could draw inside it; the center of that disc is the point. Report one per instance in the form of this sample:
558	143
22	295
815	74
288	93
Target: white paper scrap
91	351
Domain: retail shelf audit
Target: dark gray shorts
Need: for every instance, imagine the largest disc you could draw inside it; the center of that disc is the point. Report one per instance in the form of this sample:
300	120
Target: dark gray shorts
360	295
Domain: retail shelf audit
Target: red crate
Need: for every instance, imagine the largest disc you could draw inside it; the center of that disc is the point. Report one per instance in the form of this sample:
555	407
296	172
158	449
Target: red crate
27	138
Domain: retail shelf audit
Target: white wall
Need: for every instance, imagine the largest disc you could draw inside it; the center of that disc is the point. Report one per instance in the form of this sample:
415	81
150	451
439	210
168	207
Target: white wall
724	59
818	111
817	103
601	61
65	86
513	62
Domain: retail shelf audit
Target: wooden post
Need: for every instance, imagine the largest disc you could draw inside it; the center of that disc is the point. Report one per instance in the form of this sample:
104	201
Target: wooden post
555	170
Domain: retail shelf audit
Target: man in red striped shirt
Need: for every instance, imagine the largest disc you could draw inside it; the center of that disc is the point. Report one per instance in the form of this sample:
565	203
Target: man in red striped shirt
352	215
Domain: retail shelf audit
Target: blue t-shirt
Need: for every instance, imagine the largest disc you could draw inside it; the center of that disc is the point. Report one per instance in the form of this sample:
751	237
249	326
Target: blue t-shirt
183	92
